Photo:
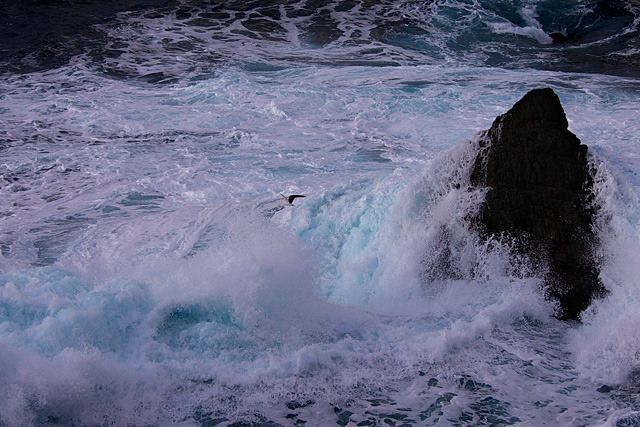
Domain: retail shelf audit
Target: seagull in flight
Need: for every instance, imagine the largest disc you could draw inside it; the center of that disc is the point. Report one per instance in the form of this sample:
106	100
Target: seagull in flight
288	201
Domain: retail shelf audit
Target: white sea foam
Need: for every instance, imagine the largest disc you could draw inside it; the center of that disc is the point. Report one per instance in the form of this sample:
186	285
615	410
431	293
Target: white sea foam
607	347
533	28
151	275
533	32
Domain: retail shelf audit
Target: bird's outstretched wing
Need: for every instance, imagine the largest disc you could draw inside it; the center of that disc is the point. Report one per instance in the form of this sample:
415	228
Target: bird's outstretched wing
294	196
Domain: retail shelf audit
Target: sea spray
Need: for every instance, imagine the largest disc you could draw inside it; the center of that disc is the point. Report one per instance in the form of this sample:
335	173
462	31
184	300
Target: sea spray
606	347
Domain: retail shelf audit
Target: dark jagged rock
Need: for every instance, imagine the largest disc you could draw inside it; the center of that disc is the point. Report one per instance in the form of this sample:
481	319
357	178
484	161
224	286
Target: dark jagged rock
558	37
539	193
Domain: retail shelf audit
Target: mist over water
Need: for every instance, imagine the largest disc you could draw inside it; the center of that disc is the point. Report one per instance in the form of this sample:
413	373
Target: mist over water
150	274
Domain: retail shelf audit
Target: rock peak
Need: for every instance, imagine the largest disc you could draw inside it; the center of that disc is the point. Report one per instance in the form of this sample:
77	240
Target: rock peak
537	105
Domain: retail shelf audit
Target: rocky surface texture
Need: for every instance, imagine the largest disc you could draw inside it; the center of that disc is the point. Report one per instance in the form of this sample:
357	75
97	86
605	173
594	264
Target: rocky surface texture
539	193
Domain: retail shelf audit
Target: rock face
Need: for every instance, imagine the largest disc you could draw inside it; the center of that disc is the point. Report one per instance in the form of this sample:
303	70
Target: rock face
539	192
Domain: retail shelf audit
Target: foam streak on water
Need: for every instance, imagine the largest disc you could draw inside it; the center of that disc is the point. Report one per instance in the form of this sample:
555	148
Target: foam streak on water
150	275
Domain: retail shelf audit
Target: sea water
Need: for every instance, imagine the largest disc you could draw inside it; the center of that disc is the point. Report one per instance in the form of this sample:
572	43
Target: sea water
150	274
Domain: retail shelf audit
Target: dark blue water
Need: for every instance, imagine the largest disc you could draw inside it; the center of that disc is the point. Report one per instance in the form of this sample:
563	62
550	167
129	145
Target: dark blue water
586	36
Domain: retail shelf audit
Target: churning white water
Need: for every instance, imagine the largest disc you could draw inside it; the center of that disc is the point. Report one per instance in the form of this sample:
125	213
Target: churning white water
151	275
